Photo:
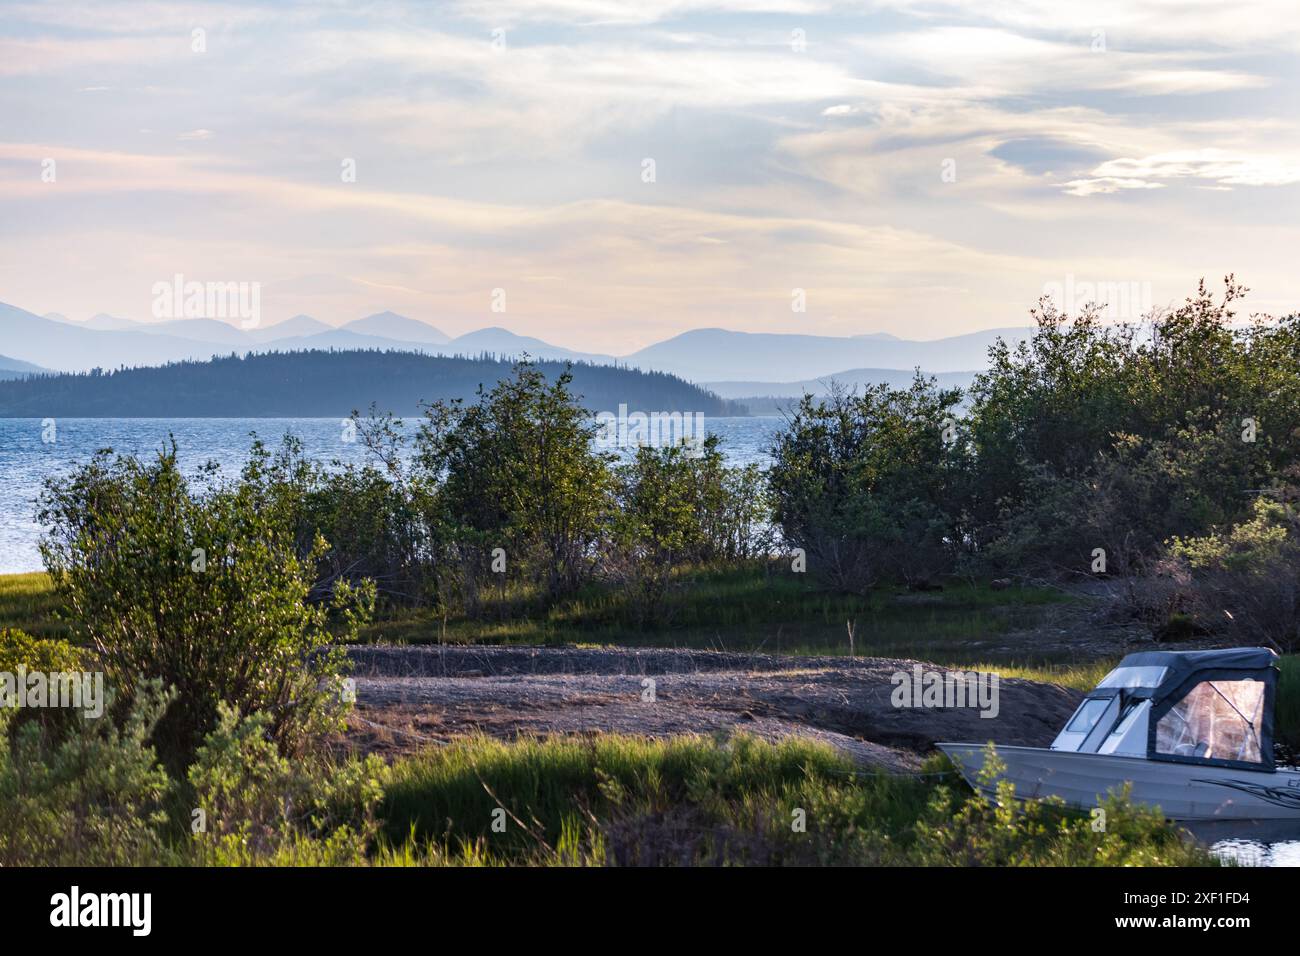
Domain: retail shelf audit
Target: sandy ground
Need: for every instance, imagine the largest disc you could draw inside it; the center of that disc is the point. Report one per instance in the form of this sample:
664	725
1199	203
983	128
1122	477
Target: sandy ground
411	697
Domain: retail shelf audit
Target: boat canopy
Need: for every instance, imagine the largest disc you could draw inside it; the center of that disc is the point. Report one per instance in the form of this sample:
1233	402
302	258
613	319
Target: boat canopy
1209	707
1161	674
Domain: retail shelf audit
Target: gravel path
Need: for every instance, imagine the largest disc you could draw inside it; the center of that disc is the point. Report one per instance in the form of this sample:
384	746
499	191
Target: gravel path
408	696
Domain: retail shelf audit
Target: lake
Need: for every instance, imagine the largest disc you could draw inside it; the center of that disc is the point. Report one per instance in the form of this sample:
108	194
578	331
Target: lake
27	458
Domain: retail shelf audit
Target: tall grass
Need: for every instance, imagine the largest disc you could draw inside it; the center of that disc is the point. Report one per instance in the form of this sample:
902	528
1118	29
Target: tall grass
691	800
1083	675
545	785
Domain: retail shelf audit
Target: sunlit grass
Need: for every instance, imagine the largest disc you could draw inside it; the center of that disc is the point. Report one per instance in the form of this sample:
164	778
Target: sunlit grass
1080	676
617	799
28	602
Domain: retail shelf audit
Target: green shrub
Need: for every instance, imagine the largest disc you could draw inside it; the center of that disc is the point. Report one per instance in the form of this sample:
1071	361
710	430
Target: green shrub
260	807
957	829
94	797
206	592
654	528
1091	434
866	485
47	655
516	470
1242	583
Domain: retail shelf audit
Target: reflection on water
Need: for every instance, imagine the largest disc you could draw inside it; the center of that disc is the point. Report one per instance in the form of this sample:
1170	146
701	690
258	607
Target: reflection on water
1250	853
1248	843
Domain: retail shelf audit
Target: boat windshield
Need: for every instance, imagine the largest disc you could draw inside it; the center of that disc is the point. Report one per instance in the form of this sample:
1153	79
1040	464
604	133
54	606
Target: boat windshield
1086	717
1130	677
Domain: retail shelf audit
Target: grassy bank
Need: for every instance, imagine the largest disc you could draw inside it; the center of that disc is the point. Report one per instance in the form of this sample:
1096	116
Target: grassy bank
620	800
747	609
736	609
603	800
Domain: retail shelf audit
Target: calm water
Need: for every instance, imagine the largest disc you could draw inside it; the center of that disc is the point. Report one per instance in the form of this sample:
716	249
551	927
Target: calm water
1251	844
26	460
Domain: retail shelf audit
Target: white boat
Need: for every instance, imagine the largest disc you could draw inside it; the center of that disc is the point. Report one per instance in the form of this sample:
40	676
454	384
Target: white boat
1191	731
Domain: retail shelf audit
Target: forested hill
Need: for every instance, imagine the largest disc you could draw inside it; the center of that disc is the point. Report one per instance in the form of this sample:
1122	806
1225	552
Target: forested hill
326	383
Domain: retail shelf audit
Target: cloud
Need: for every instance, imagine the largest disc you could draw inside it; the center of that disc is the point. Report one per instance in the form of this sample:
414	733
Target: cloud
988	62
919	165
1255	25
1222	166
610	12
1105	185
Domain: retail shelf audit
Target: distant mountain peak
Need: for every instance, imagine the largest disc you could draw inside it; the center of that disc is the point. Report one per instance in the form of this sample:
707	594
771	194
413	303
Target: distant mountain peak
103	322
403	328
293	327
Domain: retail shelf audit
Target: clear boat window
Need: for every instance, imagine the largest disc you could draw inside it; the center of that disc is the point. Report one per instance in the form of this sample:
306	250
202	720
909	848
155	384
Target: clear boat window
1216	720
1129	677
1086	716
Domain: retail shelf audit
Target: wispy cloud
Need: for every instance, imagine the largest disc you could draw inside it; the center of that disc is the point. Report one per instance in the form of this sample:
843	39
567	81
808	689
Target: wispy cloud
627	171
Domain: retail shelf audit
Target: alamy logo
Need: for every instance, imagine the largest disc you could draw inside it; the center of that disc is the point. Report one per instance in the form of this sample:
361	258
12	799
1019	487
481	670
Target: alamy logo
83	691
75	908
654	429
179	299
945	689
1117	301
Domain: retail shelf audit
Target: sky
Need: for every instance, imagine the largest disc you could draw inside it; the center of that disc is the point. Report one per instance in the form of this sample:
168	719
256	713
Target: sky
604	175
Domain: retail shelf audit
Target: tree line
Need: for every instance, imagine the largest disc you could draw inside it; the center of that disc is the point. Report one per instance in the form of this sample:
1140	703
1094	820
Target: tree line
320	383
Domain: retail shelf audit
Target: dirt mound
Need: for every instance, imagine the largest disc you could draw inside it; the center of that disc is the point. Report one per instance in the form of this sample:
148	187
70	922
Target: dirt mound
408	696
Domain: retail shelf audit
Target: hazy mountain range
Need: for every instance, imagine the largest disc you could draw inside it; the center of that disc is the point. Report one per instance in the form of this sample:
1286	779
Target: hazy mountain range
13	368
759	361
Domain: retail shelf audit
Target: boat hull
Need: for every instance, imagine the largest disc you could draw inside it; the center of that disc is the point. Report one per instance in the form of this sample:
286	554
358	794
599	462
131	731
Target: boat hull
1181	791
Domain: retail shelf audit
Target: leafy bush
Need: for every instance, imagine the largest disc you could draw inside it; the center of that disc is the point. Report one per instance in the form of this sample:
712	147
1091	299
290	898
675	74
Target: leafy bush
517	471
19	649
1092	435
47	655
654	527
206	592
259	806
730	504
1243	583
864	484
376	517
960	830
94	797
